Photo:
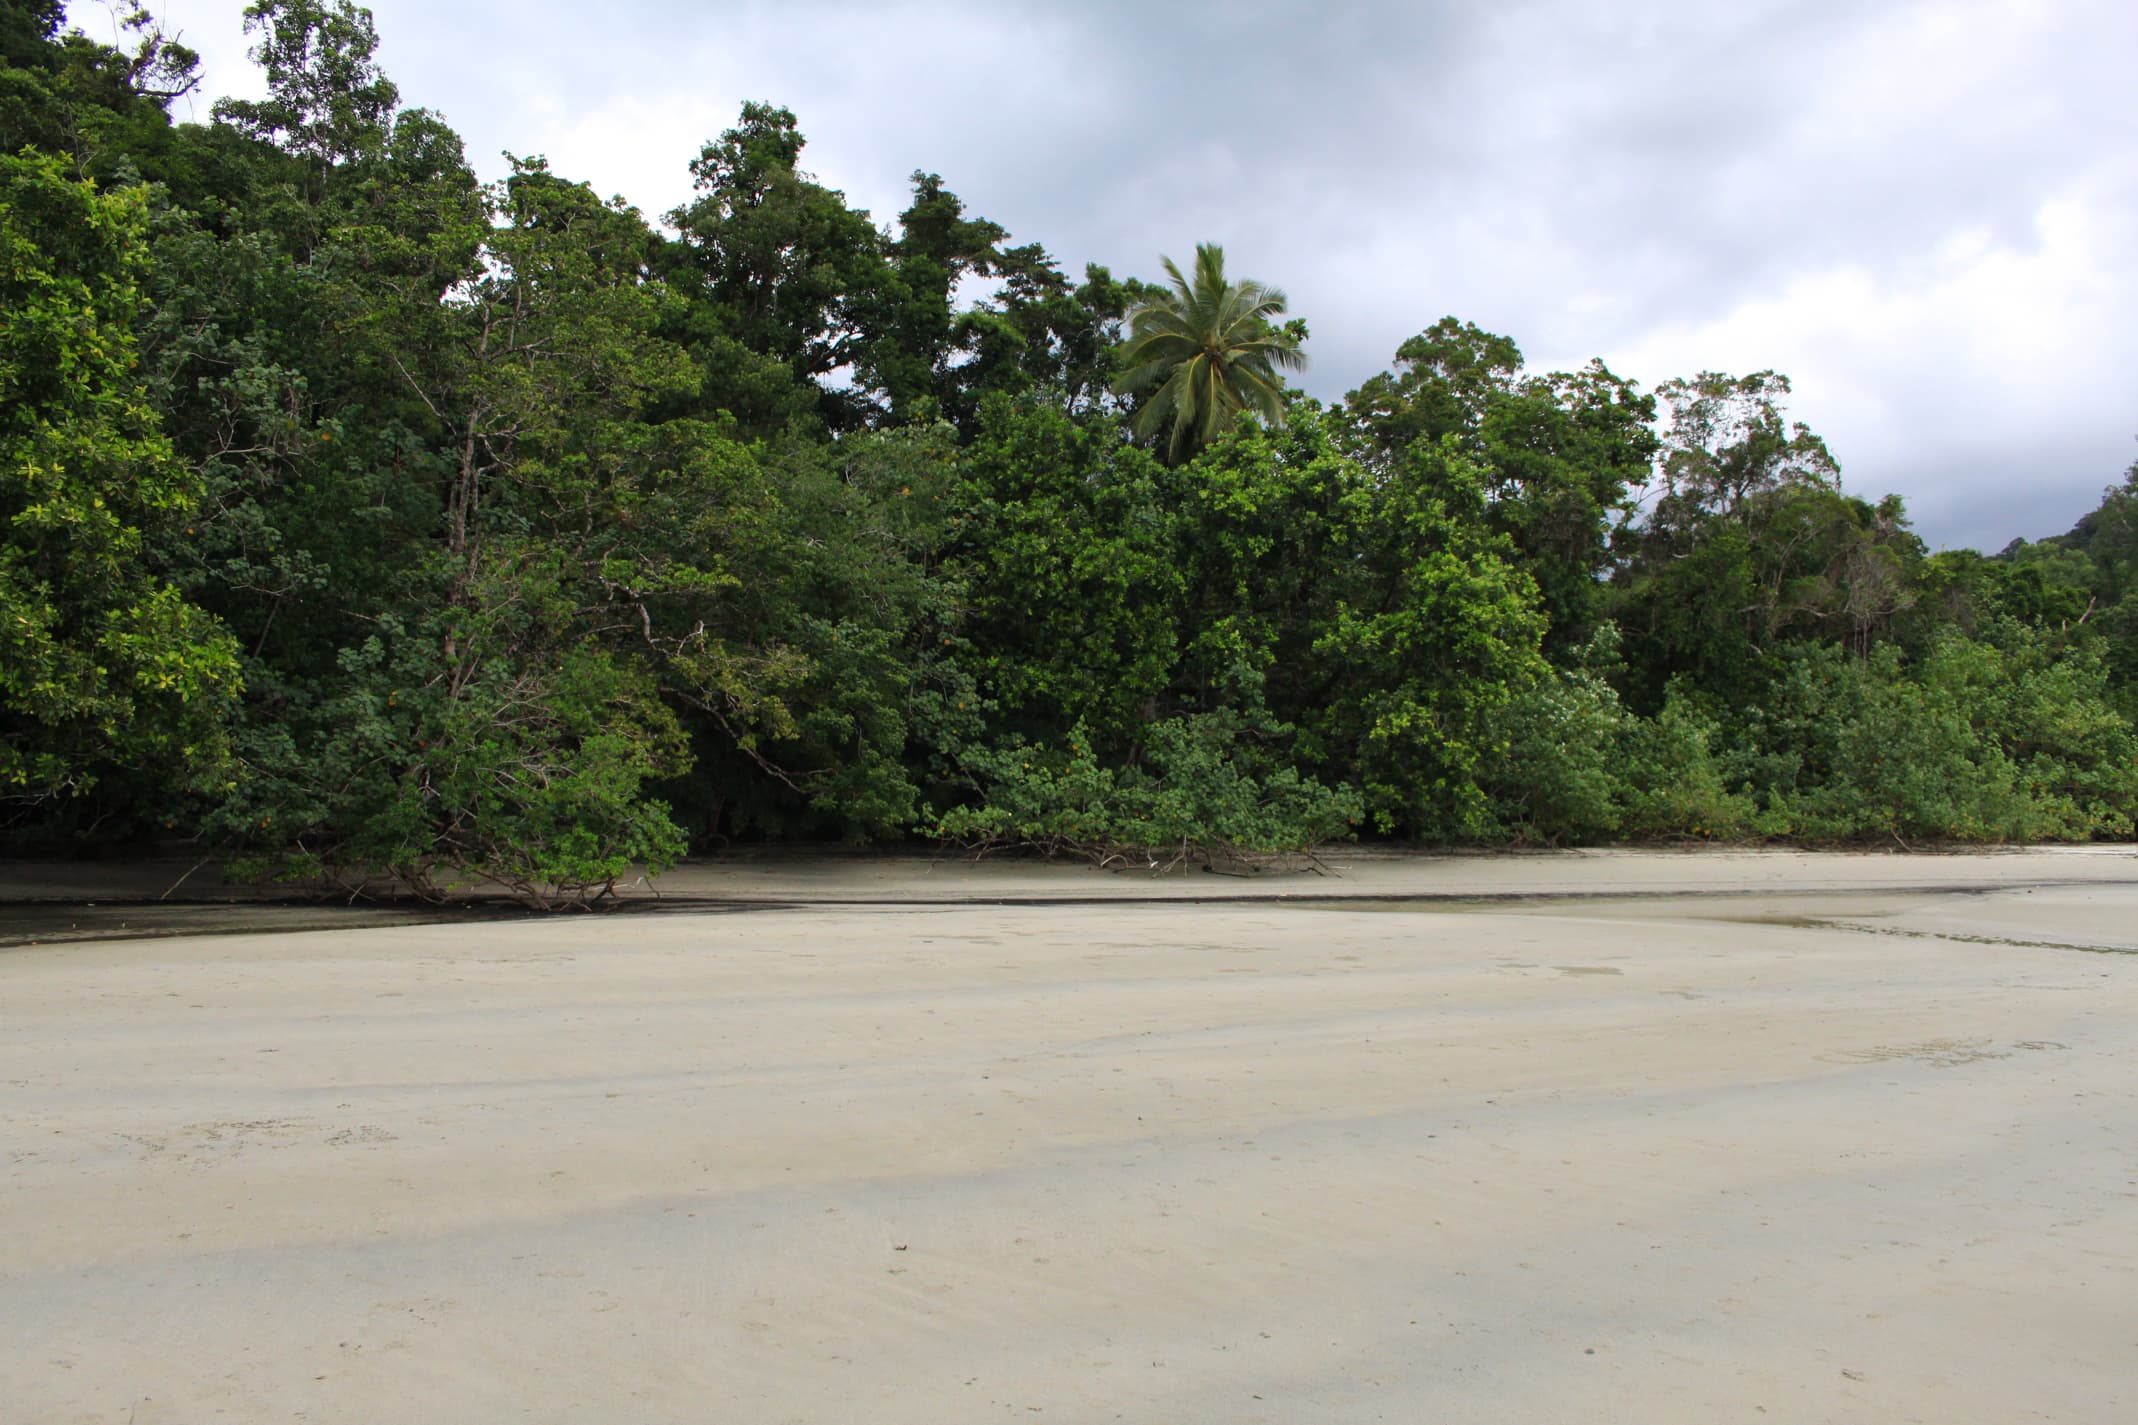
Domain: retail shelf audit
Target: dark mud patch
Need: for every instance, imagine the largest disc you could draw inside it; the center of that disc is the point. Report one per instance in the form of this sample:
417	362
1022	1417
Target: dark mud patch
1964	938
48	923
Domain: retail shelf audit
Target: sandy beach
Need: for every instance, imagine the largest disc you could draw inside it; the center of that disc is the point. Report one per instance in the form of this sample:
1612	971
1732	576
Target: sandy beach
1627	1137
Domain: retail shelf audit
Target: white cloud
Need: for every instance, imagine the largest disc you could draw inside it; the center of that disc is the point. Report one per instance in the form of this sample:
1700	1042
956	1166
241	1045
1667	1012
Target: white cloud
1979	351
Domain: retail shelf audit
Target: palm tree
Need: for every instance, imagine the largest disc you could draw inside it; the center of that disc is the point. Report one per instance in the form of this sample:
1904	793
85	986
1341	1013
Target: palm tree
1210	351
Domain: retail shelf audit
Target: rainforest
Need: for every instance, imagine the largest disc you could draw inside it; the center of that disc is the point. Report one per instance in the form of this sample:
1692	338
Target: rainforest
363	521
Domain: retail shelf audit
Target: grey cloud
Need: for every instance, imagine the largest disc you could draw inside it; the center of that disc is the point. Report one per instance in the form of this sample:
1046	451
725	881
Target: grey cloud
1985	499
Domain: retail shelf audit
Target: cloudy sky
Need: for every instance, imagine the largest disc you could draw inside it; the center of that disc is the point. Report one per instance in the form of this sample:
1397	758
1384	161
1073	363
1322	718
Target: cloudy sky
1925	214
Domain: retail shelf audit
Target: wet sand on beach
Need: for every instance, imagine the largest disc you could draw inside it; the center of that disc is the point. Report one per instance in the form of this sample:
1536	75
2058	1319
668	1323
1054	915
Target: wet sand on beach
1826	1147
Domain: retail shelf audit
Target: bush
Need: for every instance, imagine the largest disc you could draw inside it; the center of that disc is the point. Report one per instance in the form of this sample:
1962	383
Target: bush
1676	782
1973	743
1196	794
1558	776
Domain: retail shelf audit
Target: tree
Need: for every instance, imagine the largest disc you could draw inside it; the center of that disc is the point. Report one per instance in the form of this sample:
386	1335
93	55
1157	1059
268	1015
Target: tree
503	720
103	663
1439	633
1728	441
1562	453
327	98
100	105
915	343
1751	544
1039	333
1069	570
1446	377
769	260
1205	352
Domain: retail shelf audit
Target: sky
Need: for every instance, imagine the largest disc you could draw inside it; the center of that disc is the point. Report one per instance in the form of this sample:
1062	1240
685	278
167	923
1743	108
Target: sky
1923	214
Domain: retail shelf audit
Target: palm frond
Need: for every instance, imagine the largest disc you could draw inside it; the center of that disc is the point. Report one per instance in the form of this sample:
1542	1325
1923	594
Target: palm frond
1205	351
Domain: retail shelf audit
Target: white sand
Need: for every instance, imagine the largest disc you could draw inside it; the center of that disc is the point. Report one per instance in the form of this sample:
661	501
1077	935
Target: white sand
1656	1160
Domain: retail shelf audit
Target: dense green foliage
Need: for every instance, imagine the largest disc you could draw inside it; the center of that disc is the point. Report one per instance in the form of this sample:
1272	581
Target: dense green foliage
365	522
104	665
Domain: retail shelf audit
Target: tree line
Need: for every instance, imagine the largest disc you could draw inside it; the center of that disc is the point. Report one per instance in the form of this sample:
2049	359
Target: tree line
364	520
